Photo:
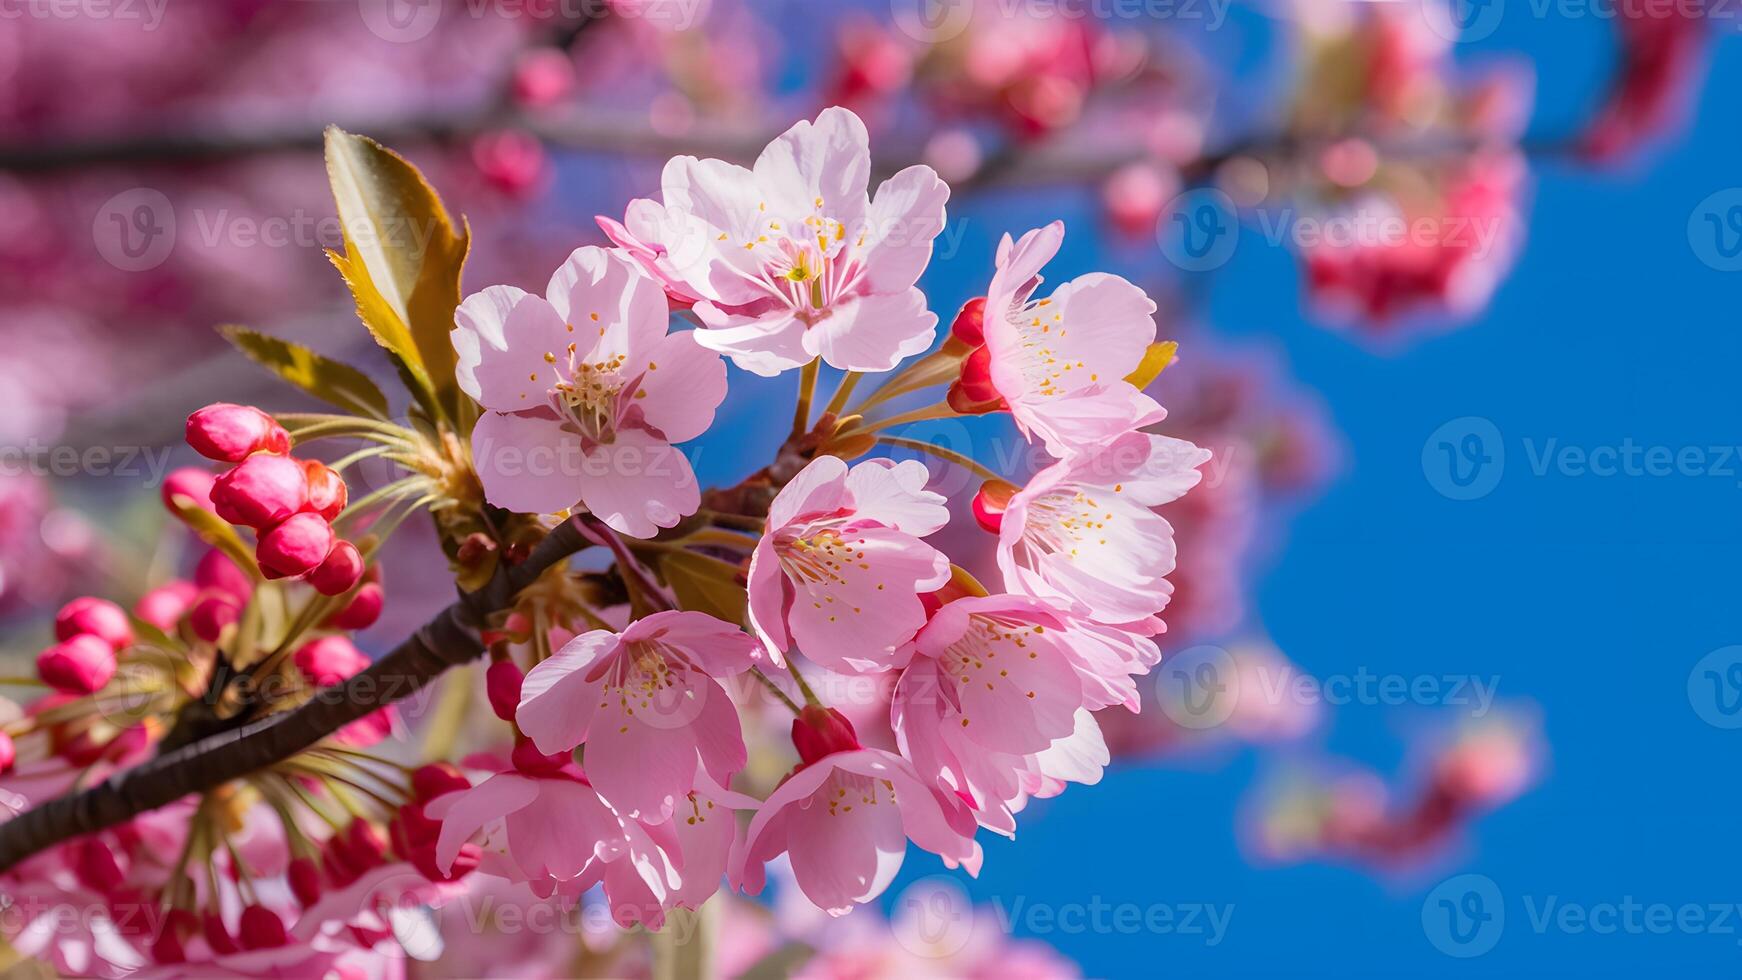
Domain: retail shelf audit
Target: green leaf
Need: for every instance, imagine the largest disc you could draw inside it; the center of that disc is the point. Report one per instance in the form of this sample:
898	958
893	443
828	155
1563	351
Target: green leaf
216	532
708	585
402	258
331	381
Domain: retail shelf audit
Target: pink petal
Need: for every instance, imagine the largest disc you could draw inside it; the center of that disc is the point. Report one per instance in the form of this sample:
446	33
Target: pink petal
528	464
501	335
873	332
639	484
685	382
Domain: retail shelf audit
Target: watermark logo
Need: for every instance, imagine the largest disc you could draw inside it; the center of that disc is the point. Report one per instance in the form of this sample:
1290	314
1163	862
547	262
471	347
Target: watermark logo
1715	688
934	917
932	21
1198	687
400	21
134	231
1715	230
1464	458
1463	20
1198	230
1464	916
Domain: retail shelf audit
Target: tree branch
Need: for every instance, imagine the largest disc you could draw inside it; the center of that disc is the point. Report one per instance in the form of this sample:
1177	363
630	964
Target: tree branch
451	638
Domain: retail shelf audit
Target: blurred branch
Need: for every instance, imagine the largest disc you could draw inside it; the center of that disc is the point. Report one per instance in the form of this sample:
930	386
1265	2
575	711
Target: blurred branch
449	639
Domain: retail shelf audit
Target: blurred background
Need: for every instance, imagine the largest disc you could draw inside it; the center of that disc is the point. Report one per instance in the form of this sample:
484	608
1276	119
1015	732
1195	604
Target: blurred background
1452	678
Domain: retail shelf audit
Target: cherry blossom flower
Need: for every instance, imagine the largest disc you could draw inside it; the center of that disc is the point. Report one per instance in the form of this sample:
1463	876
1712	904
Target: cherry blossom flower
586	393
840	567
1083	532
845	817
648	702
1059	364
792	260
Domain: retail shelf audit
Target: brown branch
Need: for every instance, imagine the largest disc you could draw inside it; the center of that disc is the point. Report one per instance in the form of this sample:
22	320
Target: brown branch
450	639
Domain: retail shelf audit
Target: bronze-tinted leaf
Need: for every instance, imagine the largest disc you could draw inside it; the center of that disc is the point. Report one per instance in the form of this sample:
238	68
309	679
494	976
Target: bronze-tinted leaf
331	381
704	584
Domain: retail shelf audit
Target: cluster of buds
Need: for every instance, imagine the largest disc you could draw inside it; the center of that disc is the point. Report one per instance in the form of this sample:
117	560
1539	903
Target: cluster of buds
289	503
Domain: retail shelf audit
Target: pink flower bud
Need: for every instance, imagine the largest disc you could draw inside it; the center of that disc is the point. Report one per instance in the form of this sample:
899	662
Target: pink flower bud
80	665
261	491
327	660
97	617
190	482
178	924
511	160
818	732
970	324
527	758
164	606
8	753
296	547
973	393
341	570
327	493
502	684
96	866
542	76
990	502
230	433
216	572
261	928
437	779
363	611
364	844
212	613
305	881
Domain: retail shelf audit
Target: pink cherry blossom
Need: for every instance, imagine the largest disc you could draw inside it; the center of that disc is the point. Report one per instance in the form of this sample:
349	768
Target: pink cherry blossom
1060	363
791	259
648	702
845	819
586	394
1083	532
840	567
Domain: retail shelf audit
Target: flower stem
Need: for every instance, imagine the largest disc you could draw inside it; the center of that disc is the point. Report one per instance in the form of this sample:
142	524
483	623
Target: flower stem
947	455
774	688
810	696
807	390
843	391
926	414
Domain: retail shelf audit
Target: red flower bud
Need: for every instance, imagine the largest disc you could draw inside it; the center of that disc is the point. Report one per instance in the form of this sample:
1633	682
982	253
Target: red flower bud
990	503
970	323
190	482
364	844
178	924
261	928
96	866
437	779
305	881
296	547
818	732
8	753
363	610
230	433
340	571
327	493
80	665
163	606
973	393
217	572
502	684
212	613
261	491
327	660
96	617
527	758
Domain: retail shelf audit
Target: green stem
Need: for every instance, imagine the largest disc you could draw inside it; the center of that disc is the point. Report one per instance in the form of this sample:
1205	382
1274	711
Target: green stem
926	414
947	455
843	391
810	696
807	390
774	689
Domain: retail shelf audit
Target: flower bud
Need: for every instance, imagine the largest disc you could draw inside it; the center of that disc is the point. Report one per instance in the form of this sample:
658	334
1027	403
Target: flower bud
502	684
80	665
168	950
465	862
327	493
305	881
818	732
970	324
164	606
328	660
437	779
364	845
339	572
189	482
96	617
261	491
261	928
216	572
527	758
230	433
990	503
212	613
363	610
96	866
973	393
296	547
8	753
